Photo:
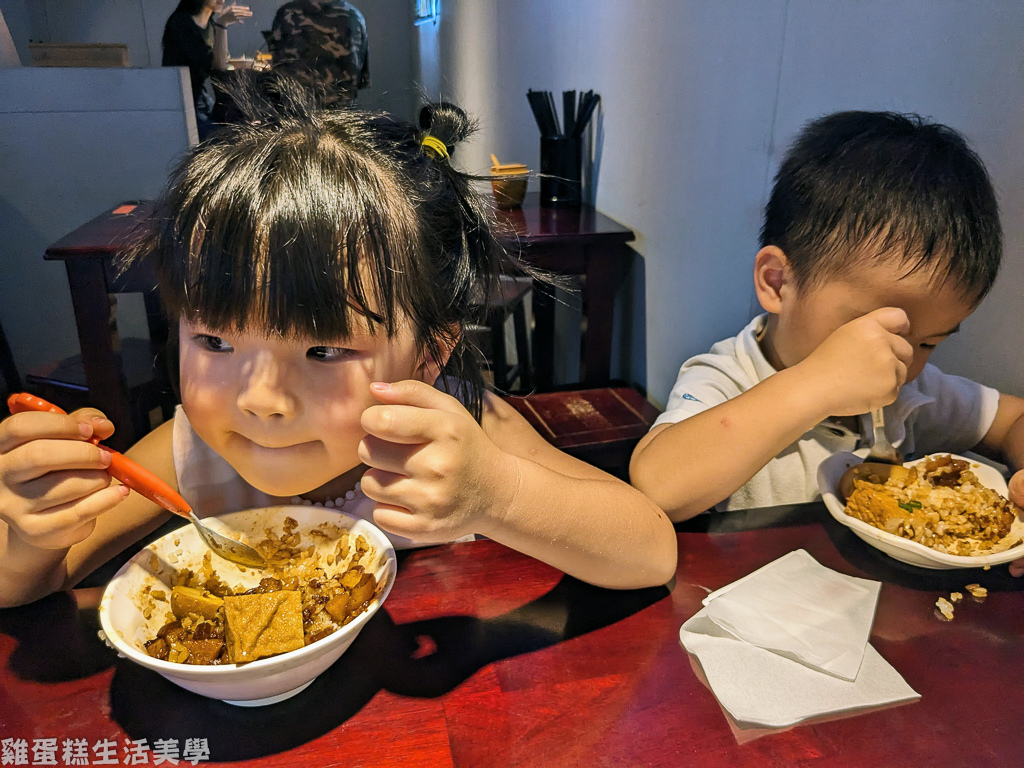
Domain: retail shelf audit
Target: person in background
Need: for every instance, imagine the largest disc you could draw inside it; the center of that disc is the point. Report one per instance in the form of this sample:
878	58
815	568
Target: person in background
196	37
323	44
881	236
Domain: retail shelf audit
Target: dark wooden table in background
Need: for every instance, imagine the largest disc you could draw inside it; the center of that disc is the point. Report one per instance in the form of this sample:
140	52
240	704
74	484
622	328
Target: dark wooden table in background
482	656
569	241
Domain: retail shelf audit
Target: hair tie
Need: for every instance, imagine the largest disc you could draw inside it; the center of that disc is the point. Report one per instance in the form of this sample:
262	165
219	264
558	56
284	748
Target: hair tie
436	145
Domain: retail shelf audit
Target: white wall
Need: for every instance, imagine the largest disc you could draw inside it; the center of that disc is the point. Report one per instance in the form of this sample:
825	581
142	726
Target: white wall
74	143
140	24
700	99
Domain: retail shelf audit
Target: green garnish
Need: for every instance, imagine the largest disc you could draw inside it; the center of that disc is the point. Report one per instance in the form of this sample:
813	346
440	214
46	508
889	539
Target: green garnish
910	506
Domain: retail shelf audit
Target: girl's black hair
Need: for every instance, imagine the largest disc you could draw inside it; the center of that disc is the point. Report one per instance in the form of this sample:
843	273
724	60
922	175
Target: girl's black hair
862	185
191	7
293	220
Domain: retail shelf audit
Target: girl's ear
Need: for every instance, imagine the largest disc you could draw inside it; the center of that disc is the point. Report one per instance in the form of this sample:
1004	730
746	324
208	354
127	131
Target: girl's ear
430	368
772	276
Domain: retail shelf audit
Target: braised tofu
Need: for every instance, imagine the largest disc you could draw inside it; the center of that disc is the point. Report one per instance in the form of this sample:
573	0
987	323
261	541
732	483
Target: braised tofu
261	625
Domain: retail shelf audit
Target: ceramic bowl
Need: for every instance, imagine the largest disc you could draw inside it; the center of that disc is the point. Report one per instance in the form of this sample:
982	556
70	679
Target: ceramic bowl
263	681
902	549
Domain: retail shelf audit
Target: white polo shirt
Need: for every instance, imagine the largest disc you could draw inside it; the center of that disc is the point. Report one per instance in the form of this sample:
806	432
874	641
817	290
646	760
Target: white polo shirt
936	412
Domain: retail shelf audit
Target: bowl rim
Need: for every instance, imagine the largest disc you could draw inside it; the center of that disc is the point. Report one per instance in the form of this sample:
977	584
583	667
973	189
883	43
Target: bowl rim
113	636
830	467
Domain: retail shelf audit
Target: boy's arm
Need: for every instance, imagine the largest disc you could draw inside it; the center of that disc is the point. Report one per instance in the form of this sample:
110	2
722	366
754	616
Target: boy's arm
1005	437
690	466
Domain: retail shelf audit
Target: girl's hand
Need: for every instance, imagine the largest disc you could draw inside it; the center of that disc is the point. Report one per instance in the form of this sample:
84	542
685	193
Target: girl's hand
862	364
433	472
233	14
1016	495
52	480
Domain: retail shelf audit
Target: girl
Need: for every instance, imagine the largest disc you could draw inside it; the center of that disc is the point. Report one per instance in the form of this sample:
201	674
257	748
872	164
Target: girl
320	267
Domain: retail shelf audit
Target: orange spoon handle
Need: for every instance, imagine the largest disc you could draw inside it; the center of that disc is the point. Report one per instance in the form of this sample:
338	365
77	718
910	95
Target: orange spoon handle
132	474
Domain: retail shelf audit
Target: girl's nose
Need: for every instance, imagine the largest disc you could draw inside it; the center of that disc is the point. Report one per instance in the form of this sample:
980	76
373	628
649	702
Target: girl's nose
263	391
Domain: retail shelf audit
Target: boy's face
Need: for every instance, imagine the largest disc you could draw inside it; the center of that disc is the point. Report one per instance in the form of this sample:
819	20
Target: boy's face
807	317
285	412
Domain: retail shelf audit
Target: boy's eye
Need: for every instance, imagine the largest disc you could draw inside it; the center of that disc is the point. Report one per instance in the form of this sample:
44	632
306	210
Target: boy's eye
328	354
212	343
929	346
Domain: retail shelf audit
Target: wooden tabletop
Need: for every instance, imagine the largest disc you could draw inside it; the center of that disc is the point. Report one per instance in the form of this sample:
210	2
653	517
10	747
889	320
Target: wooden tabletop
103	236
537	225
484	657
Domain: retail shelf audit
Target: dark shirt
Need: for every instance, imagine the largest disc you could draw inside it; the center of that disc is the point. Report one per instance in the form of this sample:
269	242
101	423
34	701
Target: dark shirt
186	44
322	43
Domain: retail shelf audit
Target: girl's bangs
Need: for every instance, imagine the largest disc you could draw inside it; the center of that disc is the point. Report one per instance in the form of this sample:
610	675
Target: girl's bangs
246	247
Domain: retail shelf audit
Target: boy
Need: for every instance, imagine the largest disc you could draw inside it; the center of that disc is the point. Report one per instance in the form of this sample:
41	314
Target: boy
881	236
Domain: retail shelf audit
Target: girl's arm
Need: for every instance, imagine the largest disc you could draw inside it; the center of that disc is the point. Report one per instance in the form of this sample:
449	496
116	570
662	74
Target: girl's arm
574	516
437	474
61	517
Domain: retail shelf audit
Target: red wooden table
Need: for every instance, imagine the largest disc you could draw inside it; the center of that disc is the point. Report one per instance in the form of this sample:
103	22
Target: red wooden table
572	241
484	657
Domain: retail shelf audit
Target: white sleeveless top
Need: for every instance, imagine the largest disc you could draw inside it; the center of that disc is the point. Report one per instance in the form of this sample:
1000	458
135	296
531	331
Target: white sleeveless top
213	487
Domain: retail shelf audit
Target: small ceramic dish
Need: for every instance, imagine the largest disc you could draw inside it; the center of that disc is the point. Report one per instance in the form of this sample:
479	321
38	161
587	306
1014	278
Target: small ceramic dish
125	603
902	549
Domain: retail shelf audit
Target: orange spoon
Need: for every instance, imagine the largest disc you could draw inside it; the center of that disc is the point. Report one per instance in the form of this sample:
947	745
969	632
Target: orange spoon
141	480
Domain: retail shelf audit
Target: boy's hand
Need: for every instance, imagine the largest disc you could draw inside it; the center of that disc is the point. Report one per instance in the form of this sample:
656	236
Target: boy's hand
862	364
1016	495
52	480
433	472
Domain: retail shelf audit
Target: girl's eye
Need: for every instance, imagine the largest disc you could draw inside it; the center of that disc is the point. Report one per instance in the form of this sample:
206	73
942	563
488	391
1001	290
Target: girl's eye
328	354
211	343
929	346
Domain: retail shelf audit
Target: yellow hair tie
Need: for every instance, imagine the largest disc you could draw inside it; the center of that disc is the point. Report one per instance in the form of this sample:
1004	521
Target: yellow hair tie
435	144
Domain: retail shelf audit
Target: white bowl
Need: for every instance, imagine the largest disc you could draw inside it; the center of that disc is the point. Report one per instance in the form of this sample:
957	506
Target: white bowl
263	681
897	547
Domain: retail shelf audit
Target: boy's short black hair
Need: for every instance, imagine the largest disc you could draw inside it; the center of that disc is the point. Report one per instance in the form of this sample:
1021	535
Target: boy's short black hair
857	186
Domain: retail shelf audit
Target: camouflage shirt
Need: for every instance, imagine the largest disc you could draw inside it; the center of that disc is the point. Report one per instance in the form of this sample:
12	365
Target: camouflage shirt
323	44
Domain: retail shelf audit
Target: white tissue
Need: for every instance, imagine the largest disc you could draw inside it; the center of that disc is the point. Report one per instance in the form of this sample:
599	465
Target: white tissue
789	642
799	609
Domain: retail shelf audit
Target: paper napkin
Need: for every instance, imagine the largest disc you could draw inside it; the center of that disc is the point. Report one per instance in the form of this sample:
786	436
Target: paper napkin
789	642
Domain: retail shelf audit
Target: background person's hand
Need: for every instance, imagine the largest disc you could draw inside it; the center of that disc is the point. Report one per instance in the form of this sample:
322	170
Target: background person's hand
53	483
862	364
233	14
433	472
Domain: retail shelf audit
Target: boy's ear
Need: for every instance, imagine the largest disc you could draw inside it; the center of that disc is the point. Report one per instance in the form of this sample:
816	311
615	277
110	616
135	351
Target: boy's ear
430	368
772	275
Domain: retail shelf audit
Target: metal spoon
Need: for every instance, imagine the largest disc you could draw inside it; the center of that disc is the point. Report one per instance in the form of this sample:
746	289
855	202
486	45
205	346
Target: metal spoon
877	465
141	480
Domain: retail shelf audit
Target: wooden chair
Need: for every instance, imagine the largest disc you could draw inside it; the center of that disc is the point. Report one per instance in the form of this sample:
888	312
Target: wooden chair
507	298
599	426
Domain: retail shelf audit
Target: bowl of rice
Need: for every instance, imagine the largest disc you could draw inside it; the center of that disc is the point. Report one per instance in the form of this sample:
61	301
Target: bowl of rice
245	636
943	511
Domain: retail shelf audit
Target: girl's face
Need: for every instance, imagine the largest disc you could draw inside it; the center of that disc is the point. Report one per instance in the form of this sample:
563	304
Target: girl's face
285	412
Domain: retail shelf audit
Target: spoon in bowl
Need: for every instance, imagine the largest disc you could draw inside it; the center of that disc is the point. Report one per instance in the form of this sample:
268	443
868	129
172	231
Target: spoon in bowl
141	480
877	465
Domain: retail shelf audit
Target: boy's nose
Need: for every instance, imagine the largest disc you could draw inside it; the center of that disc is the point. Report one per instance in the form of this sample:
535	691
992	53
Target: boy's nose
263	391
